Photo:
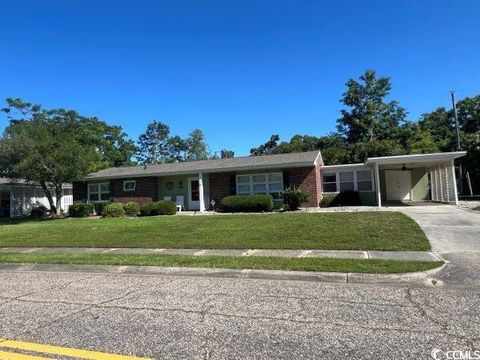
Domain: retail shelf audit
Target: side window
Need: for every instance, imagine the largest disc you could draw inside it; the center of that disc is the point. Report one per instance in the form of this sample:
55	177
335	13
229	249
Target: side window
364	180
346	181
329	182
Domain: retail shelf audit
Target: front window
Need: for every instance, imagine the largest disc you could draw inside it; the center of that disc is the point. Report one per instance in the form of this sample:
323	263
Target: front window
346	181
99	192
364	180
260	184
329	182
129	185
359	180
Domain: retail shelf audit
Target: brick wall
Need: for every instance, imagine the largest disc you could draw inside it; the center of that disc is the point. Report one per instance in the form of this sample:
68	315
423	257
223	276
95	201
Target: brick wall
79	191
146	190
306	179
221	185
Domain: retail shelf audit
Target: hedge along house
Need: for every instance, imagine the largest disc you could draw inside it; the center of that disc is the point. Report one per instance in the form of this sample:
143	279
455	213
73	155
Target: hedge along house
19	197
195	184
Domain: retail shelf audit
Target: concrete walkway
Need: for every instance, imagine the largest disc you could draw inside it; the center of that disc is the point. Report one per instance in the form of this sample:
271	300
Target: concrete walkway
338	254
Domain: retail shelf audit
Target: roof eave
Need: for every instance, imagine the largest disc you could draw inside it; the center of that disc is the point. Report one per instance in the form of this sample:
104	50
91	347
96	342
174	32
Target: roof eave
218	170
415	158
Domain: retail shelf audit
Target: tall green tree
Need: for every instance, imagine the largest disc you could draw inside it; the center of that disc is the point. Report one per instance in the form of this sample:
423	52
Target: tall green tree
196	146
56	146
226	154
469	114
153	144
266	148
369	117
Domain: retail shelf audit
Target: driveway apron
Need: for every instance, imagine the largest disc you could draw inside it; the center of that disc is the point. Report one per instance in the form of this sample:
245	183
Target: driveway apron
454	234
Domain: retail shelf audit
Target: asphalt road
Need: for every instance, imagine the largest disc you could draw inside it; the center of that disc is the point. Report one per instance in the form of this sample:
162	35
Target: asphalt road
173	317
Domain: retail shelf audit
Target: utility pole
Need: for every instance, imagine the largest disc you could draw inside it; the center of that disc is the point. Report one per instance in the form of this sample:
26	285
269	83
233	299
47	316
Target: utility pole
455	115
459	144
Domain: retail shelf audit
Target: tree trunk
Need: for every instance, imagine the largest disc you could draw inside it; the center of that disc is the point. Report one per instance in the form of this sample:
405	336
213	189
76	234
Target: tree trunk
47	192
59	196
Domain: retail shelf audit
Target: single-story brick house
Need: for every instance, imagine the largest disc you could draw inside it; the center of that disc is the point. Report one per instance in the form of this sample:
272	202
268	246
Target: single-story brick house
199	184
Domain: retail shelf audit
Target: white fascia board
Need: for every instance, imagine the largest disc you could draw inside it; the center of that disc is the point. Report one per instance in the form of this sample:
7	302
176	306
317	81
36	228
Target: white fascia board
415	158
341	166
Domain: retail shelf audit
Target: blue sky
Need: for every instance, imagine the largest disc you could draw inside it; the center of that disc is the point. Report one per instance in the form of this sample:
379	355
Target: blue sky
238	70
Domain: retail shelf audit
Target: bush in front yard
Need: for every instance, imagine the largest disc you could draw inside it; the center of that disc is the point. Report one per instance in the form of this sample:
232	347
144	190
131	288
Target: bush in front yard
327	200
293	198
164	207
39	211
147	208
131	208
113	210
247	203
343	198
81	210
99	207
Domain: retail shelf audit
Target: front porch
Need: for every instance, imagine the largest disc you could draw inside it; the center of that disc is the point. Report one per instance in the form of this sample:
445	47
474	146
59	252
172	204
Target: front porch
428	178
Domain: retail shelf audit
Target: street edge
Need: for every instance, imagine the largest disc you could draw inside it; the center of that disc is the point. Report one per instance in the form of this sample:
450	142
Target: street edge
420	278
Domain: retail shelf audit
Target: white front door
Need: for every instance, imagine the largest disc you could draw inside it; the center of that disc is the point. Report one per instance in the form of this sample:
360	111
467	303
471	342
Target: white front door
193	194
398	185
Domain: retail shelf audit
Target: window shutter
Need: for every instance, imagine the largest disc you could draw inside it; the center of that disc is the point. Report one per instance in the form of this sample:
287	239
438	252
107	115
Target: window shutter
286	179
112	189
233	185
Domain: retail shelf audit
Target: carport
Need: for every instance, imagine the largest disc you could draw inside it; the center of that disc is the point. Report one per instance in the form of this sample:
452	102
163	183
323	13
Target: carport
414	178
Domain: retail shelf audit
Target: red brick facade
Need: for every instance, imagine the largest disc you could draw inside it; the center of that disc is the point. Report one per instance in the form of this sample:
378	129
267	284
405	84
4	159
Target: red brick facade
308	180
221	185
146	189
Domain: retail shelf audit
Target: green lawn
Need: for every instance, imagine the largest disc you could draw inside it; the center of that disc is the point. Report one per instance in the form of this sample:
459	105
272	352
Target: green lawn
230	262
343	231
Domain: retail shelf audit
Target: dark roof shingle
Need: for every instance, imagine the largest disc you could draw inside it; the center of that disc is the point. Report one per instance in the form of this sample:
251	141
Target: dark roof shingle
218	165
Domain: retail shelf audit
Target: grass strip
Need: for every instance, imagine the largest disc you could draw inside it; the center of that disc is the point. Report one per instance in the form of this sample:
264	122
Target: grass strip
332	231
228	262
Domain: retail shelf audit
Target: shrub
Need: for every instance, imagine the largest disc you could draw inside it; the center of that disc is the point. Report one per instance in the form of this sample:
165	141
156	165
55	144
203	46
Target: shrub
147	208
247	203
343	198
99	207
131	208
39	211
81	210
327	200
164	207
113	210
293	198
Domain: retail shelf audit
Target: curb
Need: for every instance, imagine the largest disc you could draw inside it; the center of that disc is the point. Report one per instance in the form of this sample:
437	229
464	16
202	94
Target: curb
417	279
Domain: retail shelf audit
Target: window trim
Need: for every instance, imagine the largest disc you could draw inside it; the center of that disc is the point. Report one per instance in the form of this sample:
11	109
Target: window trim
99	192
355	180
266	182
130	181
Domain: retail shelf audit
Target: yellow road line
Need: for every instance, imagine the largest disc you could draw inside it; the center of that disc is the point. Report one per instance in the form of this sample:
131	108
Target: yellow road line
65	351
12	356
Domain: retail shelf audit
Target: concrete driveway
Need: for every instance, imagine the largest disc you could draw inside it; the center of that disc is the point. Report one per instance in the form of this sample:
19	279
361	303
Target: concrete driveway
449	228
454	234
